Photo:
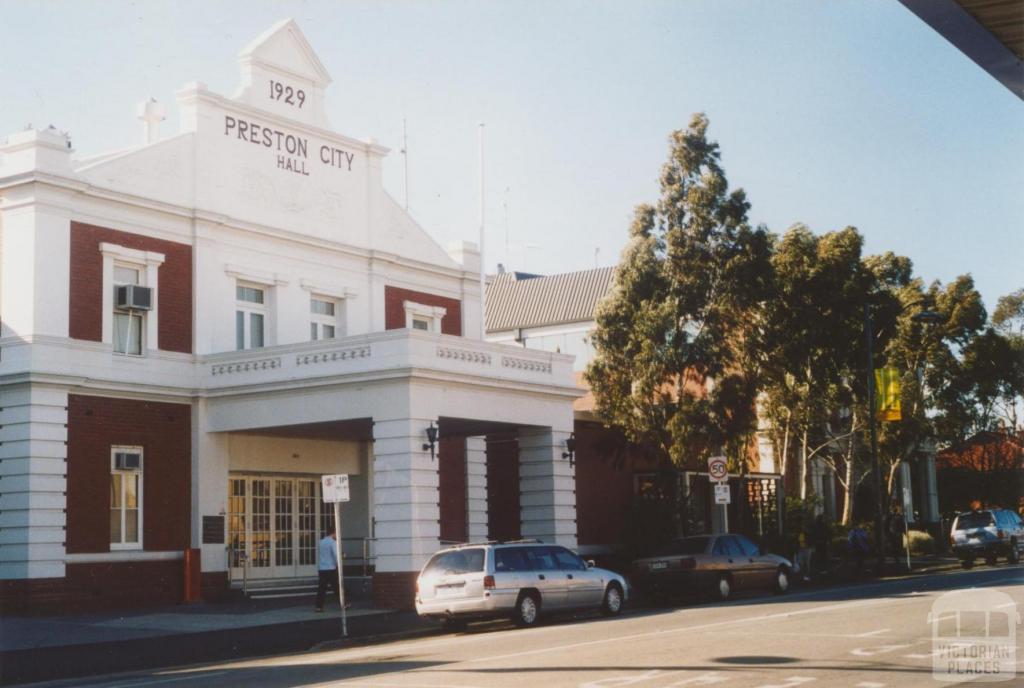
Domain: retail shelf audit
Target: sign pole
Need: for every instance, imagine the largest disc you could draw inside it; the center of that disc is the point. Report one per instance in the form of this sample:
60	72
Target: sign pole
725	517
341	574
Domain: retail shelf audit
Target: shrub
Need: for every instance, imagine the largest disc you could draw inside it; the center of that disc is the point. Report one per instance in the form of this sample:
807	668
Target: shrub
921	543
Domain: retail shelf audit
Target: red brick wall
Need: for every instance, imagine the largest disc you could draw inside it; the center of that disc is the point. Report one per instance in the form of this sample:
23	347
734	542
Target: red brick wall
394	589
92	587
164	433
174	298
503	487
394	310
451	459
605	465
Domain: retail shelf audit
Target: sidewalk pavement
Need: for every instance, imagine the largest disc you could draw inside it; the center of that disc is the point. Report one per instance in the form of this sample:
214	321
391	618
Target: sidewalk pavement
41	648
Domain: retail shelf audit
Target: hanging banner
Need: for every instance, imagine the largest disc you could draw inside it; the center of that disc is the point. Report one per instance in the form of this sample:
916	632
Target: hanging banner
887	394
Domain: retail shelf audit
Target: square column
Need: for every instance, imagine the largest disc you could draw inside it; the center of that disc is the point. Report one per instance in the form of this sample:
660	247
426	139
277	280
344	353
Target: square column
476	489
547	485
33	482
210	464
406	512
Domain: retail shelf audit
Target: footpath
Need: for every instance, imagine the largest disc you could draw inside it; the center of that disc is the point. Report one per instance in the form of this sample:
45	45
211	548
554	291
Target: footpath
41	648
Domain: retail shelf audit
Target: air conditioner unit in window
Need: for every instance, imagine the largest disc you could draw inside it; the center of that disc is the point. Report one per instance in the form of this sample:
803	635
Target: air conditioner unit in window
132	297
125	461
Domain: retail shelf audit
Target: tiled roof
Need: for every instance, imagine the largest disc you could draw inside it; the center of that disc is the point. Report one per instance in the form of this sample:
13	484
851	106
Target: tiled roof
518	300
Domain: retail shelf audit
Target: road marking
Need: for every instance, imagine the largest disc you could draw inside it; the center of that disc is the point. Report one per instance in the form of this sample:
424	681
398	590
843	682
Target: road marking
880	650
623	680
707	679
788	682
869	684
871	633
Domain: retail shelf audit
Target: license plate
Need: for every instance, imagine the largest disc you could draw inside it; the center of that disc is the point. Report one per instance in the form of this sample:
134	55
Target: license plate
658	565
449	590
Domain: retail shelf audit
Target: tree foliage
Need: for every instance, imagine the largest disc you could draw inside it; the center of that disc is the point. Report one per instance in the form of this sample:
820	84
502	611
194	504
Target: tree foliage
683	311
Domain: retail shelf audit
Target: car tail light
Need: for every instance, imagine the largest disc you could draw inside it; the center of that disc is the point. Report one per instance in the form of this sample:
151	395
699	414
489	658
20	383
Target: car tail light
687	563
489	583
952	540
1000	534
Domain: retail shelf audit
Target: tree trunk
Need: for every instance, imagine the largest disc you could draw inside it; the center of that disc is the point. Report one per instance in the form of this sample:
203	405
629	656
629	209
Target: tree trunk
803	465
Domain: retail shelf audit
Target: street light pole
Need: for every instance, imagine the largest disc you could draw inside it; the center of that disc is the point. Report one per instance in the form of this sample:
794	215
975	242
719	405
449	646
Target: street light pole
872	421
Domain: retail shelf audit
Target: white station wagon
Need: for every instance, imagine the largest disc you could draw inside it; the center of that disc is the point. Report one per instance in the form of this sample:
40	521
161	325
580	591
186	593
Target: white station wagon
520	580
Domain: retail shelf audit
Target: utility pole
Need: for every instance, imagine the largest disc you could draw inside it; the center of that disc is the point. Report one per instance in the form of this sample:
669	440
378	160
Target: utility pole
872	424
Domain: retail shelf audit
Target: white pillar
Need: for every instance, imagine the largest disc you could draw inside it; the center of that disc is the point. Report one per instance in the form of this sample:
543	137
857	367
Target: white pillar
211	463
405	495
33	482
547	486
476	489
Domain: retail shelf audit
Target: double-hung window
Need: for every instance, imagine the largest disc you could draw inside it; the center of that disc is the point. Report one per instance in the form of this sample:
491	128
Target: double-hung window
323	318
250	316
128	325
125	497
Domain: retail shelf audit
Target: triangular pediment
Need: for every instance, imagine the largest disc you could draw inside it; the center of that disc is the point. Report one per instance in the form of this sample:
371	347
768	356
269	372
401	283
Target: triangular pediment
283	47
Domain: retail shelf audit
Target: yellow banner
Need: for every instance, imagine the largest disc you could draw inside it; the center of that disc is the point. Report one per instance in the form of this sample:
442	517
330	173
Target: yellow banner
887	394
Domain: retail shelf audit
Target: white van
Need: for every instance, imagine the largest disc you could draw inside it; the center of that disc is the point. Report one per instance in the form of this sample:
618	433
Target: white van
519	580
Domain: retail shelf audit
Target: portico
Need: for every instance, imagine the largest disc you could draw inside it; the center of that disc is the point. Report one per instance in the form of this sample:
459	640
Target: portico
362	405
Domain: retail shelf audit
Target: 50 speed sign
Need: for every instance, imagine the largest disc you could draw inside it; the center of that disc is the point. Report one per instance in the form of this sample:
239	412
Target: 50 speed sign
718	469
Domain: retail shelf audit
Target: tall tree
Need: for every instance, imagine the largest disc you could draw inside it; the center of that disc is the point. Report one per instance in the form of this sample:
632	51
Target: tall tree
676	336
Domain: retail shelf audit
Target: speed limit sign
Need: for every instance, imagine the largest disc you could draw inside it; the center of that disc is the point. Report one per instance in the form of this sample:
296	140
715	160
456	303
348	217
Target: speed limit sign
718	469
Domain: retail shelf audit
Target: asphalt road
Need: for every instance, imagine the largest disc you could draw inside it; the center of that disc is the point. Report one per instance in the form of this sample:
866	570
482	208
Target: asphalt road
873	635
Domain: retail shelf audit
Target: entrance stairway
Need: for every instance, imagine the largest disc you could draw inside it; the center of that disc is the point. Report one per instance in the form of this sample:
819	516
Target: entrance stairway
356	588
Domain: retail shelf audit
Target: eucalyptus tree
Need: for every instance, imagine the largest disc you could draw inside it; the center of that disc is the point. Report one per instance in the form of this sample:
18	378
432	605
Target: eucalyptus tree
676	339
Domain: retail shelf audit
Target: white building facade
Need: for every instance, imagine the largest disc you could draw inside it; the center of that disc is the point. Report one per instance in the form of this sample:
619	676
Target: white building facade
196	329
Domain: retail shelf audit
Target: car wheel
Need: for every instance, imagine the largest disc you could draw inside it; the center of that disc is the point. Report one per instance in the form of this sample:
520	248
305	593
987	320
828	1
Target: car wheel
781	581
1014	556
990	559
453	625
967	563
527	610
723	588
612	604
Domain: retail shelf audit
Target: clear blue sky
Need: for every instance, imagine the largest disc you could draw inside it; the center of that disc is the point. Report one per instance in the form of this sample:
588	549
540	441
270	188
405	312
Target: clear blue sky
832	113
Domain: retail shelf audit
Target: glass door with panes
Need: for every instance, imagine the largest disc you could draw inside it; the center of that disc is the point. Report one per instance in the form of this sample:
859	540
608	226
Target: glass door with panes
272	524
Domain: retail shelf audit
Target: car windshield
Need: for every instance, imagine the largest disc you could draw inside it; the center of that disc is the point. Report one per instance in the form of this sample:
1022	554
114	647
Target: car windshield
688	545
456	561
974	519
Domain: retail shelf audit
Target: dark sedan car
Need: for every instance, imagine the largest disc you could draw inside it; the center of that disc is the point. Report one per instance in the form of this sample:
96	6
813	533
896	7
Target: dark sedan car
719	564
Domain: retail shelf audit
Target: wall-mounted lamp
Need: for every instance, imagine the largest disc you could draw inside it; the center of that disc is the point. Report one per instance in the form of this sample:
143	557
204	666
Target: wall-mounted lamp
431	440
570	445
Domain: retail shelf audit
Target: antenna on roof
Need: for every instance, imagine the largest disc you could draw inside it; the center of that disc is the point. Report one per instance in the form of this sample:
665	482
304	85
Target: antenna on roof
483	285
405	158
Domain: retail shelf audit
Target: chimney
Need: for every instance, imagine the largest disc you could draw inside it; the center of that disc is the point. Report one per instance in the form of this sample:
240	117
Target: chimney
151	113
46	150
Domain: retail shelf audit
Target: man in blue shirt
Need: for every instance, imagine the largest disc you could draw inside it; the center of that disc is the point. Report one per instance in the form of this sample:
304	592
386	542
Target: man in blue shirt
327	565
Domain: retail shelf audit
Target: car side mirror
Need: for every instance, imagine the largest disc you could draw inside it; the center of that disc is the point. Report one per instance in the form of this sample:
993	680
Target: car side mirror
590	563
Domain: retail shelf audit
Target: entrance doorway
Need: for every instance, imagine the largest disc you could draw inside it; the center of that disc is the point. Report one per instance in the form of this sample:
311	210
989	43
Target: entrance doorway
274	523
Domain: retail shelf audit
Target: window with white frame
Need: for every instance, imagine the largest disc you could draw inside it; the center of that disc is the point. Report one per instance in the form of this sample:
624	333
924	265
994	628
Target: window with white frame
250	316
125	497
323	313
419	316
128	324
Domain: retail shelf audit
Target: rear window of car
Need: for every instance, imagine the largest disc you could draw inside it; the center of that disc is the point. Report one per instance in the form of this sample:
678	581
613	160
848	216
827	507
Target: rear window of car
975	519
456	561
685	546
511	559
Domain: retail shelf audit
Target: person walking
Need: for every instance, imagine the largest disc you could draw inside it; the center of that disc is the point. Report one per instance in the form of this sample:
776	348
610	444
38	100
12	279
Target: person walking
857	541
327	567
